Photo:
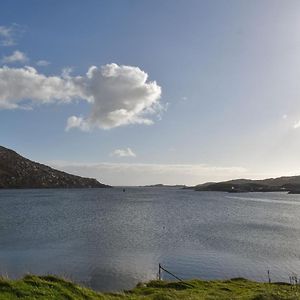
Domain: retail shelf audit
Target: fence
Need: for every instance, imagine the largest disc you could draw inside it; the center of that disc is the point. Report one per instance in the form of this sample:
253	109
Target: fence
294	280
160	269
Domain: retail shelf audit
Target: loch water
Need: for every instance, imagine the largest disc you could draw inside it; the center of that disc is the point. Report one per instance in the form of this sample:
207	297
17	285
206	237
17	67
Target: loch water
110	240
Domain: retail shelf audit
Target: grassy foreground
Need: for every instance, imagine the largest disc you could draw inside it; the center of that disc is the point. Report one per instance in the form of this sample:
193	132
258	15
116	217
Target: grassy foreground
51	287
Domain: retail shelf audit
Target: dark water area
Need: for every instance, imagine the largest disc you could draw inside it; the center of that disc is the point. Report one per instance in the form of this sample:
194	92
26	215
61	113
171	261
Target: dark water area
110	240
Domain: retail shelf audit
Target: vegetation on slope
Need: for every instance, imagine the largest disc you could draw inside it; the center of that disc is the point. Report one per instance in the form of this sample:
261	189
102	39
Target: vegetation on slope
19	172
51	287
281	184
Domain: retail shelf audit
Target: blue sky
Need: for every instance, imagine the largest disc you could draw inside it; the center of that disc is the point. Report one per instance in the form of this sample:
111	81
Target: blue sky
228	72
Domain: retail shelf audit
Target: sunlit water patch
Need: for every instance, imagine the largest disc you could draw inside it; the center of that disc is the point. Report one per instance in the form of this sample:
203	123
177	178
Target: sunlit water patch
110	240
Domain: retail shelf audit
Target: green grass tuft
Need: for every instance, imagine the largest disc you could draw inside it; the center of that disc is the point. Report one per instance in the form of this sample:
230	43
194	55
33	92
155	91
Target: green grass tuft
33	287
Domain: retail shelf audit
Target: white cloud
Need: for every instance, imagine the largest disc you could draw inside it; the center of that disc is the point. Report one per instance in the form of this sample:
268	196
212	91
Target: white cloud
118	95
143	174
66	72
74	121
6	36
123	153
9	34
42	63
16	56
297	125
19	85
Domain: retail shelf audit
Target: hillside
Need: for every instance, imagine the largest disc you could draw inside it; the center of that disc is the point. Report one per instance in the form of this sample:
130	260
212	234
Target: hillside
289	184
51	287
19	172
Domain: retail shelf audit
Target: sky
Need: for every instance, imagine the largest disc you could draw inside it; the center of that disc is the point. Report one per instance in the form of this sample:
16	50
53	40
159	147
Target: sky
145	92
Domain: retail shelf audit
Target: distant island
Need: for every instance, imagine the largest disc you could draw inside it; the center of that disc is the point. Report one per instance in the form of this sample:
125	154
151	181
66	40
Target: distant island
290	184
160	185
19	172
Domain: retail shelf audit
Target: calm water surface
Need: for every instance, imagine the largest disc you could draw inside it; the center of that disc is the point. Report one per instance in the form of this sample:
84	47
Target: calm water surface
110	240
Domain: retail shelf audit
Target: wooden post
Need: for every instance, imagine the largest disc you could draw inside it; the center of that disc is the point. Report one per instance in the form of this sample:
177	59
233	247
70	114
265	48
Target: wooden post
159	271
170	273
269	276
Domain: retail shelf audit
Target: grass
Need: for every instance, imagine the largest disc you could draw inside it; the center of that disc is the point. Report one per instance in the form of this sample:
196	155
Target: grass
52	287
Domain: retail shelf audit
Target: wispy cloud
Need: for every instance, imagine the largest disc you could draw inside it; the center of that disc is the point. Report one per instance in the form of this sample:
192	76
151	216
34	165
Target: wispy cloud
16	57
10	34
142	173
118	95
42	63
6	38
297	125
127	152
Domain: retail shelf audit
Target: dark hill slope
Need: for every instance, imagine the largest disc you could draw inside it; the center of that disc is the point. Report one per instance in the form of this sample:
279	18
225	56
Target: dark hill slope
19	172
290	184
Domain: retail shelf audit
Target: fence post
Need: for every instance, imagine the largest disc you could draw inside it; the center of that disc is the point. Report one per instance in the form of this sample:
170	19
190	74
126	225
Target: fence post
159	271
170	273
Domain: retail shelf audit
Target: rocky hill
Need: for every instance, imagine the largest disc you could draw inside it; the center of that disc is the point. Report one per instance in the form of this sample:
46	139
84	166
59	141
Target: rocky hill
19	172
289	184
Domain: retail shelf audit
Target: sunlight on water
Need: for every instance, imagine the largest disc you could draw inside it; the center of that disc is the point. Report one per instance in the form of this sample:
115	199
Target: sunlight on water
110	240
